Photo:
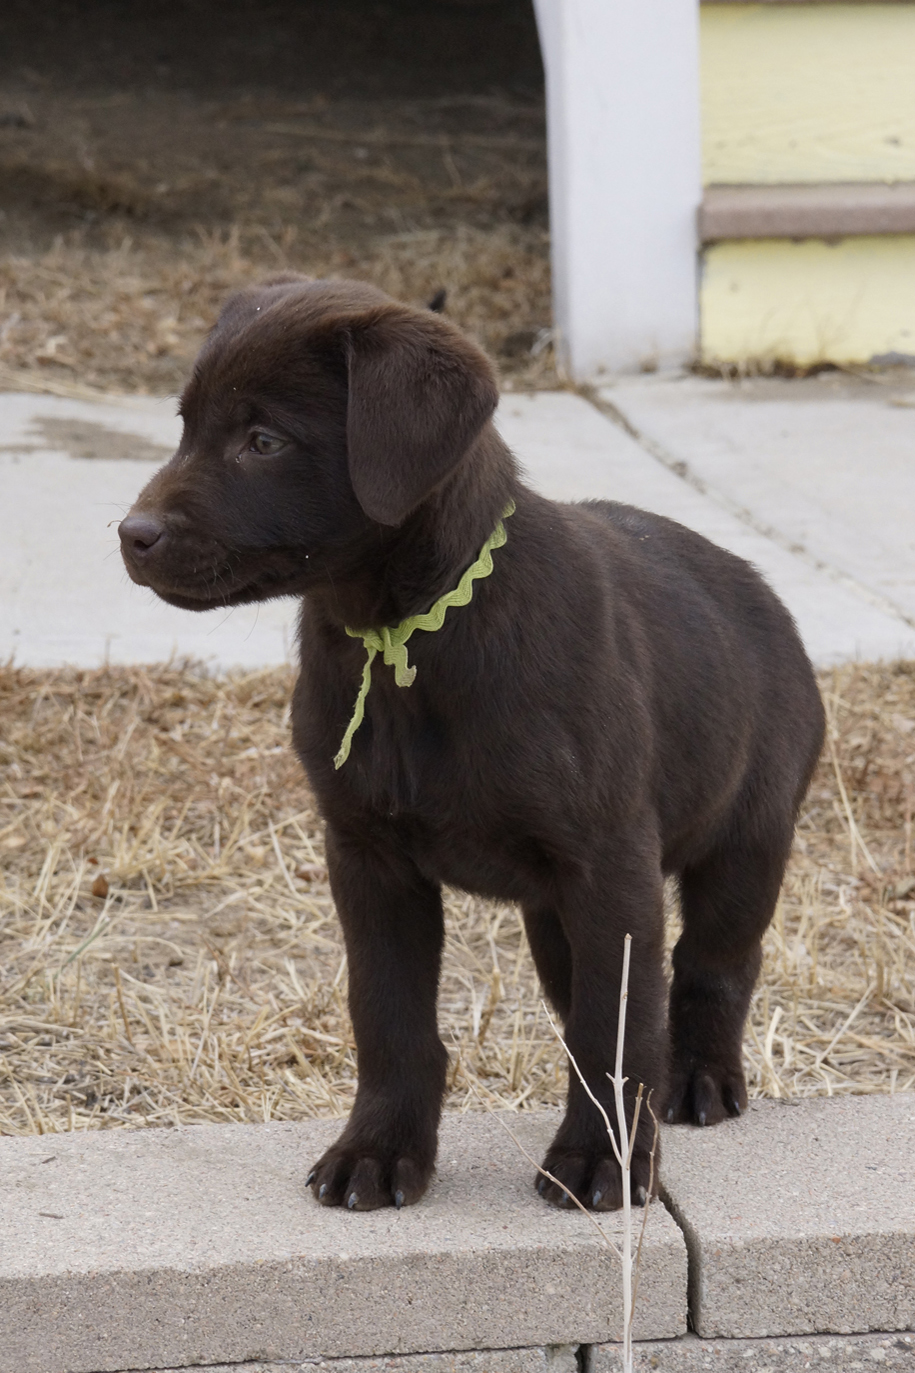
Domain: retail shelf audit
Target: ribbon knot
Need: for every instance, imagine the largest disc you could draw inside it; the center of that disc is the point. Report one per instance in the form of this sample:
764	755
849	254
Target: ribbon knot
391	642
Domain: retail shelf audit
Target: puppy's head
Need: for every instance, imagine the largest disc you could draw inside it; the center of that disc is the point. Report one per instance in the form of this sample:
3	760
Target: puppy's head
317	410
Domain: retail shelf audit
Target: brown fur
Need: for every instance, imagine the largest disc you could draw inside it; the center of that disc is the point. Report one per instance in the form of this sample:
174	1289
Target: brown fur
620	700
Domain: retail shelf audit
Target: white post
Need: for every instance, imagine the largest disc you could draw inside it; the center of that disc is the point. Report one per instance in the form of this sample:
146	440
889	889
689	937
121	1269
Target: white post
622	84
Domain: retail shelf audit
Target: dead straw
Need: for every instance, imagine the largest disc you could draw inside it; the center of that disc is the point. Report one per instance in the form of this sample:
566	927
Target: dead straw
209	984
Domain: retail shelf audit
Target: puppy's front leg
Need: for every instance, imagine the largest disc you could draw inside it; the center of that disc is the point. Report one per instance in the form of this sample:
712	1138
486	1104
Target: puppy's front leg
394	930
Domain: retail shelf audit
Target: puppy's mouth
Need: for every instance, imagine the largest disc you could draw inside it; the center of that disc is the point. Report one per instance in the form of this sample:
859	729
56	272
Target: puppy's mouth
221	588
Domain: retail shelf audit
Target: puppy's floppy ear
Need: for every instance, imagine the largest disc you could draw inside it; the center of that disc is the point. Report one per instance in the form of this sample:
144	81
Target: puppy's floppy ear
419	394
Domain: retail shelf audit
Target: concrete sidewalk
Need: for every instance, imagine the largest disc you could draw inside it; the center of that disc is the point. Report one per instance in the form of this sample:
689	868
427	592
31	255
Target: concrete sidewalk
64	594
171	1249
817	491
570	450
825	466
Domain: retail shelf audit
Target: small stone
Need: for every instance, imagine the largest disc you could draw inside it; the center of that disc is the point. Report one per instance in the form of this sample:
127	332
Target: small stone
100	886
312	872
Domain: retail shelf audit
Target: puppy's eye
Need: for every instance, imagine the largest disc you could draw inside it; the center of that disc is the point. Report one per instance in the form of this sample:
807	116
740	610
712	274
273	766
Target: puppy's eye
265	444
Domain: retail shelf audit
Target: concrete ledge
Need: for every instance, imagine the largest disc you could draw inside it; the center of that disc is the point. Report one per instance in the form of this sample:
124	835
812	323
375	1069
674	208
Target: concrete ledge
173	1248
807	211
176	1249
555	1359
690	1354
799	1218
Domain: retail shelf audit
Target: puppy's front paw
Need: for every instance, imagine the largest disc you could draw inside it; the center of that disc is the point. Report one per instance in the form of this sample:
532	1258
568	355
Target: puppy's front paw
704	1094
594	1177
364	1179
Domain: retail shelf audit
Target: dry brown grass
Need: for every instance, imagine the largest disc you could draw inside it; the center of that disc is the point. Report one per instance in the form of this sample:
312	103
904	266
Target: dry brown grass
169	950
131	317
129	218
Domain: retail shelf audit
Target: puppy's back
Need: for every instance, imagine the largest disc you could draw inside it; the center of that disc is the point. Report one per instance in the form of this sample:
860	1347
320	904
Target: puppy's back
717	634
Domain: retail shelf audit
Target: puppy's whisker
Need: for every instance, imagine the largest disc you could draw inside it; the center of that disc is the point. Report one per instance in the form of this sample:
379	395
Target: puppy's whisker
230	611
257	615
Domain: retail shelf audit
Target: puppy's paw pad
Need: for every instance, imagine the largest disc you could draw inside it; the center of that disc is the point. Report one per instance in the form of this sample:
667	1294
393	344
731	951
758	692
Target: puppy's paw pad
364	1180
705	1096
594	1178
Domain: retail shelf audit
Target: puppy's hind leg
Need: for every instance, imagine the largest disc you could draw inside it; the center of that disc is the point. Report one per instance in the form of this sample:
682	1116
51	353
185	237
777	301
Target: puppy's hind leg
552	955
619	893
727	901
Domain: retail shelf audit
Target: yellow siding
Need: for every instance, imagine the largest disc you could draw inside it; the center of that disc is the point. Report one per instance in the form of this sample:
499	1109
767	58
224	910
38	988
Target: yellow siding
808	92
810	301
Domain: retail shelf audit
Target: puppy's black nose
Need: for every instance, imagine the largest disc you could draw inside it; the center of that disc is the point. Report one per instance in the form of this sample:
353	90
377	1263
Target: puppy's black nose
140	534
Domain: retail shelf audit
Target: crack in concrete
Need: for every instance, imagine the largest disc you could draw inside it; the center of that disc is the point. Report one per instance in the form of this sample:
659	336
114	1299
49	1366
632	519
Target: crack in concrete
746	517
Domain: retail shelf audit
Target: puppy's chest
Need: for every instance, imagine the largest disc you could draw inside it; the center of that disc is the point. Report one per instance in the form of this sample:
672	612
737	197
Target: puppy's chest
399	761
449	800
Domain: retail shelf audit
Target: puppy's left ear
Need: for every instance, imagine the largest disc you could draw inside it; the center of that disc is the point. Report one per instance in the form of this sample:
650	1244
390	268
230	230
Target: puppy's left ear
419	394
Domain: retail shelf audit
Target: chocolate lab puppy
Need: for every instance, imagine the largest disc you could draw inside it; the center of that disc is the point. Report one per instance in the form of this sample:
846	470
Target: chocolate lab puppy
605	699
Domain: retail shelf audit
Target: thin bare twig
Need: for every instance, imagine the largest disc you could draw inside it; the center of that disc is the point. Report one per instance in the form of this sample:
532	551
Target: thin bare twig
618	1083
651	1177
623	1151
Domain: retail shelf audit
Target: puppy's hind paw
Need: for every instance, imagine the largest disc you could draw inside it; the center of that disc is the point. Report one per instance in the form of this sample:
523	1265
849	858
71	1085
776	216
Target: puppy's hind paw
594	1179
705	1096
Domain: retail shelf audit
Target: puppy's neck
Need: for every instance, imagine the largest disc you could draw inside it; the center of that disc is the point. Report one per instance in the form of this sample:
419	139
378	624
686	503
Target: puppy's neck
407	569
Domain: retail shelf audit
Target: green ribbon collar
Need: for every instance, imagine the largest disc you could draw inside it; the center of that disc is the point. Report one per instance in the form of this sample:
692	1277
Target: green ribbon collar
392	643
